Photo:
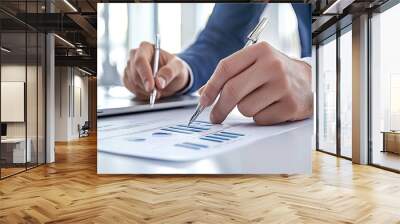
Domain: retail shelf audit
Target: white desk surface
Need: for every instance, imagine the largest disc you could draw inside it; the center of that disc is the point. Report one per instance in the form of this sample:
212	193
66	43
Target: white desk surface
286	153
13	140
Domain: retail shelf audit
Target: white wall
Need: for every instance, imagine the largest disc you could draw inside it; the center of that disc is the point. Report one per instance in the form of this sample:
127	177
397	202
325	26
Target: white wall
17	73
34	125
71	94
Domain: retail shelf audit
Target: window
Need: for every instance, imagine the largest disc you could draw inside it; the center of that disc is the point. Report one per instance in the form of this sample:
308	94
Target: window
385	89
22	78
170	26
327	96
334	75
346	93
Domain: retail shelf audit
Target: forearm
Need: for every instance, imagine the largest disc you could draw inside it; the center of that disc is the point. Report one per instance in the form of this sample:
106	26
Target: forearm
203	56
224	34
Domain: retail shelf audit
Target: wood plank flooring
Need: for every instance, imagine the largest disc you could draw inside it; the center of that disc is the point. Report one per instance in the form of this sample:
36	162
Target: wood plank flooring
70	191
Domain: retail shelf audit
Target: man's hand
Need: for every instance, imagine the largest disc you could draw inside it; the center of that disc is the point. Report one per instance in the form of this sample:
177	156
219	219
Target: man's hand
172	75
263	83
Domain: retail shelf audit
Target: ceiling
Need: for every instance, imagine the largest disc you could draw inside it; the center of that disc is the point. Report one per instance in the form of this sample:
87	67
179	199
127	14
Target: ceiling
328	16
73	20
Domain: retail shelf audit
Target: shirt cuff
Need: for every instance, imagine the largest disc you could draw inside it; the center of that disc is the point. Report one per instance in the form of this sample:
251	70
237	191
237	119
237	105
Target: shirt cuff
186	89
307	60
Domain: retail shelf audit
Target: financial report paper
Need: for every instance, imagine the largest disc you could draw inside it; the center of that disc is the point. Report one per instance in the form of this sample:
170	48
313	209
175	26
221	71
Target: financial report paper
164	135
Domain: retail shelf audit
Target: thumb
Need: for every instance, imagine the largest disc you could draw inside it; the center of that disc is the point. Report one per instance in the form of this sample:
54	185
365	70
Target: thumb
167	73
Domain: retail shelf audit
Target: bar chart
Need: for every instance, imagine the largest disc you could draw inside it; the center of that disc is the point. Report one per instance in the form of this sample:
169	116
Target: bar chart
171	139
202	129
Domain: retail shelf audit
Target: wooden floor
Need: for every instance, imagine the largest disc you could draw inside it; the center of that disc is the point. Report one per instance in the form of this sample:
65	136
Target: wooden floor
70	191
5	172
387	159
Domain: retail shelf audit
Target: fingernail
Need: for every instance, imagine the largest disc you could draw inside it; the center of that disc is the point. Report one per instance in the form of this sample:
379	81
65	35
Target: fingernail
162	82
147	85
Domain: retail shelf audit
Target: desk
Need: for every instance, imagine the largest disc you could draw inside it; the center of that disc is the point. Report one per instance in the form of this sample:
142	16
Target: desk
285	153
18	150
391	141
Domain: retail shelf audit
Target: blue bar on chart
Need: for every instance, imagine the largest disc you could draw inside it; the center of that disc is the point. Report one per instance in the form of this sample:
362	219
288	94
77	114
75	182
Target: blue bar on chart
211	139
196	144
217	137
221	136
187	146
135	139
225	135
176	131
231	133
205	123
193	127
190	145
185	129
161	134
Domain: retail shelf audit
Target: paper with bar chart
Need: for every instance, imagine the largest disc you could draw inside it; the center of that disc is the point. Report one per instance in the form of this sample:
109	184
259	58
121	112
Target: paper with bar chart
166	136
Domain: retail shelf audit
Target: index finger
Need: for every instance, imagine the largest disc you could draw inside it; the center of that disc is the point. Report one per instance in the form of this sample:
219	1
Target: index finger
141	64
226	69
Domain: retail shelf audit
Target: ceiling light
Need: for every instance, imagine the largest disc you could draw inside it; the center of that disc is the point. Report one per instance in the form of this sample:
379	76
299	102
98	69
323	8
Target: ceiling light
70	5
337	7
65	41
5	50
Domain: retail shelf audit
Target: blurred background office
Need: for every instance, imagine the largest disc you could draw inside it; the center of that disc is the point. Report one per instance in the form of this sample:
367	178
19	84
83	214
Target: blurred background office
123	26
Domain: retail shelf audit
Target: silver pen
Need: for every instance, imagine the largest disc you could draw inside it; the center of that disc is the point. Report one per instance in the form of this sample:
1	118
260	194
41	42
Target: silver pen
252	38
155	68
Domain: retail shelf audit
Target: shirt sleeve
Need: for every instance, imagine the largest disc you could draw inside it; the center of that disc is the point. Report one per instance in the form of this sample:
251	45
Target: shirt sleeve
224	34
190	83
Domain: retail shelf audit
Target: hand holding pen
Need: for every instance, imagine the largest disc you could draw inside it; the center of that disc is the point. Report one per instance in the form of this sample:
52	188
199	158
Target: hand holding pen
156	60
171	76
251	39
262	82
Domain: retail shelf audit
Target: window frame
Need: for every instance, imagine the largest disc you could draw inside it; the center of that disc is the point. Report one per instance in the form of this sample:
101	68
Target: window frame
27	29
333	37
378	10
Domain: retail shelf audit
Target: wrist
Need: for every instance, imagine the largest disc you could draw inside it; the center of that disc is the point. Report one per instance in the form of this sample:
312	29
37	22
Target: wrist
305	69
305	107
187	72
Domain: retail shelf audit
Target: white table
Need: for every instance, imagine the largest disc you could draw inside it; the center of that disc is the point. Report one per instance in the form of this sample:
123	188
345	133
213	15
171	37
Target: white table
286	153
19	153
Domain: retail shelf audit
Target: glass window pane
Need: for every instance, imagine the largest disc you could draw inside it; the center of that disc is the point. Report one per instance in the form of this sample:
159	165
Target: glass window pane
22	90
41	98
13	87
385	84
346	94
327	97
169	20
32	98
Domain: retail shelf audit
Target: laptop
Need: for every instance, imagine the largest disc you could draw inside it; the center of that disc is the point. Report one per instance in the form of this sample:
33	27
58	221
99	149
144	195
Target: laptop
120	101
